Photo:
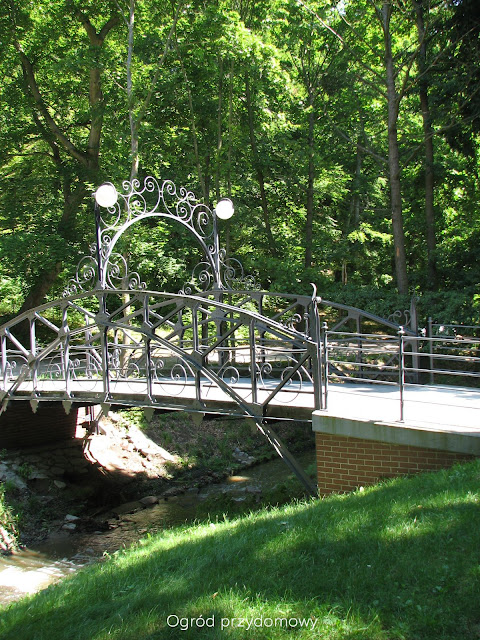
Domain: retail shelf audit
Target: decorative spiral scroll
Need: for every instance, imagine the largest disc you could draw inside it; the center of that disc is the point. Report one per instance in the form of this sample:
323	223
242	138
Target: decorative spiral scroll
118	277
16	366
85	276
232	276
230	374
399	317
171	380
137	202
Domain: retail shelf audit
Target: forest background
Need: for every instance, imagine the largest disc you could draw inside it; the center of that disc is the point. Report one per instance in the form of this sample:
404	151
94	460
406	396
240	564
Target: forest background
346	133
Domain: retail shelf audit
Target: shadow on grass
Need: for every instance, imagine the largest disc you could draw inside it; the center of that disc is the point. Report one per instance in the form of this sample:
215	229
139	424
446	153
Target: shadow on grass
401	560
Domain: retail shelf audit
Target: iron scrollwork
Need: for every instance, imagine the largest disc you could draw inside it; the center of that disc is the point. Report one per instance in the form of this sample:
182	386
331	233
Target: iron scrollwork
137	202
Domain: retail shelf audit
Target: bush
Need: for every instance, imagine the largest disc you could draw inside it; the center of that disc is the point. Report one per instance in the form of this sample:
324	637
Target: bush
8	528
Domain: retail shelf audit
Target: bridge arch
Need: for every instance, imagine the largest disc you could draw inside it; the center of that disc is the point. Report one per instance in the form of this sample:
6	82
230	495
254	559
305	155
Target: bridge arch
137	202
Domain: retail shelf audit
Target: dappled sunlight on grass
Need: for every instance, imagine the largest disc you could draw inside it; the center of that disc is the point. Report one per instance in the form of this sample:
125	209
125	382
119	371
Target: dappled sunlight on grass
396	561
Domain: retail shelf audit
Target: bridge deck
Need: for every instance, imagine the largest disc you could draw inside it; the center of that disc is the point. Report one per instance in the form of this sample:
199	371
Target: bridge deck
295	402
436	408
443	418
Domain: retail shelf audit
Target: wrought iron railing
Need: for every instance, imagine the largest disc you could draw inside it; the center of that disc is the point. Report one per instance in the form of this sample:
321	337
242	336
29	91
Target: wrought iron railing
157	349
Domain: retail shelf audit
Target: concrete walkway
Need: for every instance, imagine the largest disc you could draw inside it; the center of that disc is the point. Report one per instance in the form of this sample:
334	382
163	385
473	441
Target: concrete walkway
442	418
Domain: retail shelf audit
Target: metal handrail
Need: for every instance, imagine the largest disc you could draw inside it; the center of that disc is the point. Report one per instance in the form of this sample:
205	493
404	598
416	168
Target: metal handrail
414	360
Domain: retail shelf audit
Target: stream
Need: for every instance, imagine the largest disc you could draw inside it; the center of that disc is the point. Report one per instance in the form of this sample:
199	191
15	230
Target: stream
30	570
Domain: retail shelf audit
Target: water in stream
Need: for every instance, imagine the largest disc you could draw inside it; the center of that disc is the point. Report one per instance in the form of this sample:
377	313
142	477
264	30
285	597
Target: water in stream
30	570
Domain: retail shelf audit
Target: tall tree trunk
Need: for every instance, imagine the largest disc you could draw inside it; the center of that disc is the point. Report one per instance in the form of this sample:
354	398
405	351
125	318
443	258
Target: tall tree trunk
229	154
353	219
134	124
193	127
258	168
219	129
310	181
136	119
393	157
429	153
87	160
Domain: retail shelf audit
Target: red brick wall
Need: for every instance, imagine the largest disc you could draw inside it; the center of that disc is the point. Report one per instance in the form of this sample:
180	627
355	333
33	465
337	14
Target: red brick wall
345	463
20	427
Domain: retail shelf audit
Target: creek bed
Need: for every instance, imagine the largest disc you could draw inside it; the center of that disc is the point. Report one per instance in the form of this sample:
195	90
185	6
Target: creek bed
29	570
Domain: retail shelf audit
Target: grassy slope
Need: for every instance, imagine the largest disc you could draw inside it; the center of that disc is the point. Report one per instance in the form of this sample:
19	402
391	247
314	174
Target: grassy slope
400	560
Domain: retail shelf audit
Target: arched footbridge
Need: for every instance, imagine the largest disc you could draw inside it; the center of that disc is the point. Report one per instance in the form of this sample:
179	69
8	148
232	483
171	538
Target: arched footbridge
226	349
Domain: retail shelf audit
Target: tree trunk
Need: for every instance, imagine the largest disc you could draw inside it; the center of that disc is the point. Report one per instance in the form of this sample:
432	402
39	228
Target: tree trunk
219	129
429	153
134	125
353	219
258	169
310	182
87	161
356	200
393	157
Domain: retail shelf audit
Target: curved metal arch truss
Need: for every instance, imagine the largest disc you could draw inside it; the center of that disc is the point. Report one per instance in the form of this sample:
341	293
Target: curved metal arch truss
168	351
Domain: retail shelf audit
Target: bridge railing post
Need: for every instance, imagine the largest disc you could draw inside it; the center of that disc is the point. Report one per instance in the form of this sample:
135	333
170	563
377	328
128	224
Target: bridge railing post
104	347
430	349
4	363
317	362
401	370
253	361
33	352
65	349
324	334
196	350
148	351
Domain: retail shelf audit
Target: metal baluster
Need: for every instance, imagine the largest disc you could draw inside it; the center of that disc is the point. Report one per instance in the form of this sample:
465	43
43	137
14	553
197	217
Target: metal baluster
33	352
253	362
317	363
197	353
401	369
148	351
104	339
66	350
430	349
325	360
88	345
4	363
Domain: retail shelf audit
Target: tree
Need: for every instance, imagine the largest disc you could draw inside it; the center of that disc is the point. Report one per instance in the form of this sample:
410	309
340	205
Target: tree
71	130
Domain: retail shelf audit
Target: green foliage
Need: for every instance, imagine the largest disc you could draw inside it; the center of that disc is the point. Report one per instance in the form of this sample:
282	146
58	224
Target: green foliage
316	115
455	307
8	523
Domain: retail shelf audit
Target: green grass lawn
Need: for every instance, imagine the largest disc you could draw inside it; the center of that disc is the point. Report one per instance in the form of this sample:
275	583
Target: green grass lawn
399	560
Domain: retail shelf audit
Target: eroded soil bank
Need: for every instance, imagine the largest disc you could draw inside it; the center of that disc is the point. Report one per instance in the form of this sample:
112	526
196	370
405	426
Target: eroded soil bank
86	498
95	483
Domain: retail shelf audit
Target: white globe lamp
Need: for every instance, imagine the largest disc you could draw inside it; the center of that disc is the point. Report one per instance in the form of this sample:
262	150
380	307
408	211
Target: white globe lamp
224	209
106	195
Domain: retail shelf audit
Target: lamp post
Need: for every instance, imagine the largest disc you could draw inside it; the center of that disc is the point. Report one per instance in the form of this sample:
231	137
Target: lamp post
105	196
224	211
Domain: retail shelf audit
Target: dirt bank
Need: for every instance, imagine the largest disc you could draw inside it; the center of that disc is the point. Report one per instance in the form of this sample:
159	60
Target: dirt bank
85	485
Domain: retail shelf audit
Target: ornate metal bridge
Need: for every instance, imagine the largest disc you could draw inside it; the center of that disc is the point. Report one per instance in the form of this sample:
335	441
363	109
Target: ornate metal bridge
218	346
